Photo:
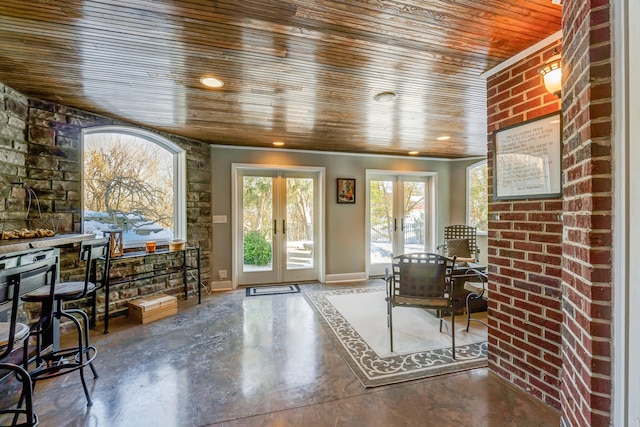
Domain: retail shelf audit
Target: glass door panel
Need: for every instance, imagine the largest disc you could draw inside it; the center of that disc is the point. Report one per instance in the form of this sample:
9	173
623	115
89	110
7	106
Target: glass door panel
299	223
258	229
381	196
413	217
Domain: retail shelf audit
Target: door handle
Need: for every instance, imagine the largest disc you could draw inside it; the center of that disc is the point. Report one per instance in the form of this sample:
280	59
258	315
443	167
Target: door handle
402	224
395	224
284	226
275	226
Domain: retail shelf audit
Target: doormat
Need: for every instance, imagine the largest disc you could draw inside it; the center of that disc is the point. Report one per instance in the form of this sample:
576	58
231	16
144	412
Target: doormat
357	321
255	291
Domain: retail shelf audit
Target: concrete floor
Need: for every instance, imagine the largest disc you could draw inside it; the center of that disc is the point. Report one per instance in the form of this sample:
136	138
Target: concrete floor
262	361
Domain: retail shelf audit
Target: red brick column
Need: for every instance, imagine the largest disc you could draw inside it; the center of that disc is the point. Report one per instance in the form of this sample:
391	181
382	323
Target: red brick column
588	200
525	250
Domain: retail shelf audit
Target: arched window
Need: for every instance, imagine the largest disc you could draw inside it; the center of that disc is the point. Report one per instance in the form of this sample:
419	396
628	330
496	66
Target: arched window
133	180
477	192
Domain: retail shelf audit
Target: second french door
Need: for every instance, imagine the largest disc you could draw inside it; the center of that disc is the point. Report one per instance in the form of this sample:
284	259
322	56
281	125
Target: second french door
399	218
277	226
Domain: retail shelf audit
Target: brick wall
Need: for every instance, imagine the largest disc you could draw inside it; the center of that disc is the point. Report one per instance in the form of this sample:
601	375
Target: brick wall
525	250
40	145
588	216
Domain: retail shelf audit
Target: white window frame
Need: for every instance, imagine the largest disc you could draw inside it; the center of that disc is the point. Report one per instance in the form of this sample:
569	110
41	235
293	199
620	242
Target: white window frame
468	205
179	171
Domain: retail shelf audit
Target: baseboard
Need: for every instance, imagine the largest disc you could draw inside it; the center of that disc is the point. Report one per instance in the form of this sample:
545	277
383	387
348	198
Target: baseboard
347	277
221	285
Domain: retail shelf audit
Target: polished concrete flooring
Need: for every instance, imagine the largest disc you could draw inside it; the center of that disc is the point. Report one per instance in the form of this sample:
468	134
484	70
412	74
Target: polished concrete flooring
262	361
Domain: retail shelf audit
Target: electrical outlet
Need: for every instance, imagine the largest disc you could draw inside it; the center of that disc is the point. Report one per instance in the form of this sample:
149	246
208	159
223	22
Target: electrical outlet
219	219
222	274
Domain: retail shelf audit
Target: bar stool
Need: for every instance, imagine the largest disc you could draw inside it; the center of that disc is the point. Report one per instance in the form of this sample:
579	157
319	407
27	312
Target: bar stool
14	282
74	358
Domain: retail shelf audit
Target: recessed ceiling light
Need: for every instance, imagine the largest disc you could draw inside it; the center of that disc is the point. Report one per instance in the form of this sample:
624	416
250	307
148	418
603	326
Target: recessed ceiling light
443	138
387	96
278	143
211	82
414	153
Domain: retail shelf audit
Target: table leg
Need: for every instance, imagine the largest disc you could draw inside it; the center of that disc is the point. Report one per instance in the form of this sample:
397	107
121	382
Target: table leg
199	278
106	303
184	273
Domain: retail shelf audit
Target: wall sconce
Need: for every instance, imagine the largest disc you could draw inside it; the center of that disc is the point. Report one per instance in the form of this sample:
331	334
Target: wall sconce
551	72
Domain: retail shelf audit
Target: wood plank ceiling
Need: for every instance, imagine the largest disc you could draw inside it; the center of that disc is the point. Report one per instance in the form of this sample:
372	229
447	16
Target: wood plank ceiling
304	72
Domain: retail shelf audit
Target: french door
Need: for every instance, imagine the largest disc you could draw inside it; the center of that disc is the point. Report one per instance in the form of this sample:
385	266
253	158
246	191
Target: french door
277	230
399	217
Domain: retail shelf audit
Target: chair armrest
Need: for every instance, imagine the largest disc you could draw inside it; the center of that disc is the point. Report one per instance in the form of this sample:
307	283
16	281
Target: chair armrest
388	278
480	278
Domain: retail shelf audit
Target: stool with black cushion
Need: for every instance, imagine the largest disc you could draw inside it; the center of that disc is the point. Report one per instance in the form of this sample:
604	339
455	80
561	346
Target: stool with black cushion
82	353
14	282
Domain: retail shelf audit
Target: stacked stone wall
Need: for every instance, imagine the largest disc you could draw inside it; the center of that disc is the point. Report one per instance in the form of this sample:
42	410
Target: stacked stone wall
40	146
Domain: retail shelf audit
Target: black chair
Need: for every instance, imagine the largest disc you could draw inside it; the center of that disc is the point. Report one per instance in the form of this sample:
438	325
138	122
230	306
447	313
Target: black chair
460	241
14	282
422	280
74	358
476	282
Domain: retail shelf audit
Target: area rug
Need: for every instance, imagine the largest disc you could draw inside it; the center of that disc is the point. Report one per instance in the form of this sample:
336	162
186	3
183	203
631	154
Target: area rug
255	291
357	321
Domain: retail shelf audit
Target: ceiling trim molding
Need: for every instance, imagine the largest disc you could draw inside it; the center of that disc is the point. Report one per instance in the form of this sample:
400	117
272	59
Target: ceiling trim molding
340	153
528	51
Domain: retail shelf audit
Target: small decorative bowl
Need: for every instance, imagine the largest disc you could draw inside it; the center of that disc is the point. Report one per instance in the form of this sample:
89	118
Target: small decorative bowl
176	245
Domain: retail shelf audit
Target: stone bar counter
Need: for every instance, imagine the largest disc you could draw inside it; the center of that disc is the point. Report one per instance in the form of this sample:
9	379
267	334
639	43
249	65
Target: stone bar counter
16	245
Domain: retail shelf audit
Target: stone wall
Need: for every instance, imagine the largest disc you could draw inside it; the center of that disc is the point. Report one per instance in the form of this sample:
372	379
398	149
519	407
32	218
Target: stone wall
40	146
525	249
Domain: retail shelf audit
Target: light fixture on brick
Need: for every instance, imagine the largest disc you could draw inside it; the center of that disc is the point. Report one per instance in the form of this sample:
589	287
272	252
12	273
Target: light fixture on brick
551	73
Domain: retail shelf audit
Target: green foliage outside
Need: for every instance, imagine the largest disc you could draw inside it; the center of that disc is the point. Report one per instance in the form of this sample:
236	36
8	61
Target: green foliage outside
381	205
478	193
257	251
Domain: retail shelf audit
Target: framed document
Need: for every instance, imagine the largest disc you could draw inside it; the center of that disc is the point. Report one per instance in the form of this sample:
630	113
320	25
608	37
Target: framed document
527	159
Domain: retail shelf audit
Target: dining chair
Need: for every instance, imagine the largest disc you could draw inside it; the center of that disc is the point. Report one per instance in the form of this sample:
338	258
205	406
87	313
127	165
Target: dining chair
476	283
460	241
422	280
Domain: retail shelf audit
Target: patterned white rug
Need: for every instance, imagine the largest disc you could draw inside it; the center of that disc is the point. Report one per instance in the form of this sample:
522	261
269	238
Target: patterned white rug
357	319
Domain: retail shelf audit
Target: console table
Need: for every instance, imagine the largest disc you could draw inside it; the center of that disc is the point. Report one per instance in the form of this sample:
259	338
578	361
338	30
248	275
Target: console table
183	268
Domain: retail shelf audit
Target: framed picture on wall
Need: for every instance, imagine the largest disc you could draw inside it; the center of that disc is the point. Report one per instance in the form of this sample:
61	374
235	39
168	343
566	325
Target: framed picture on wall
346	190
528	159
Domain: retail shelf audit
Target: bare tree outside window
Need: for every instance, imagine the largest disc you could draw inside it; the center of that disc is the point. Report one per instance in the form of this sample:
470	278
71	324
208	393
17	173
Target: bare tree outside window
128	184
478	187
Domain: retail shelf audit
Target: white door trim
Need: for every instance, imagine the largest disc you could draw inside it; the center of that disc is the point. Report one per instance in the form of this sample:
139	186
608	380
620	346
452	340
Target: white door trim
626	273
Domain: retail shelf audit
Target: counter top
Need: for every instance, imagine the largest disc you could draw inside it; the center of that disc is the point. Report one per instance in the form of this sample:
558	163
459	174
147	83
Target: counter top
15	245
